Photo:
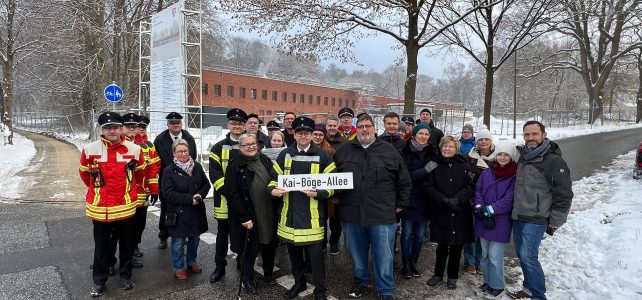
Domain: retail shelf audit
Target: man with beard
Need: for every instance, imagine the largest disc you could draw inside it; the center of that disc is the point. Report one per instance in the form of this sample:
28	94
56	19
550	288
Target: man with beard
332	128
382	187
543	196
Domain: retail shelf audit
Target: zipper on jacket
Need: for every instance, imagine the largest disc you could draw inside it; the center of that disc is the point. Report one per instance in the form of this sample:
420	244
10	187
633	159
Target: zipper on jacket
538	204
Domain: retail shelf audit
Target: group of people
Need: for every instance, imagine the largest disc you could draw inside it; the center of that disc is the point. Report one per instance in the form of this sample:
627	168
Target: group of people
464	193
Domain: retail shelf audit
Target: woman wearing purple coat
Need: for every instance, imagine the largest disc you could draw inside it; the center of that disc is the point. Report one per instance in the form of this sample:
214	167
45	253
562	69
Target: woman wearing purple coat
493	205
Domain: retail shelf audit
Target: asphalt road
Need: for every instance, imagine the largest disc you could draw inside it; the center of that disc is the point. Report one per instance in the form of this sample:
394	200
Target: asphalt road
47	247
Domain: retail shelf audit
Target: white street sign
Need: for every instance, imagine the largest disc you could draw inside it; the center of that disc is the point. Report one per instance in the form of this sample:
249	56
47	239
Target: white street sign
299	182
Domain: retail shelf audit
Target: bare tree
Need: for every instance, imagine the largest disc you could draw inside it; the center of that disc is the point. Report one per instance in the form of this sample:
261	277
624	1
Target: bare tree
329	28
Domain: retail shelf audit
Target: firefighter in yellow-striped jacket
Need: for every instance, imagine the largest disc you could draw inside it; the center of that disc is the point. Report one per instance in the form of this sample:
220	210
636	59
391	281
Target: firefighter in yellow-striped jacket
221	154
110	168
302	216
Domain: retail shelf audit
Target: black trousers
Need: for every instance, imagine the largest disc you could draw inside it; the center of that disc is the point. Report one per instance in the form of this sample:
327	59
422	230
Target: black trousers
163	234
140	220
316	261
452	253
335	226
222	239
102	233
268	253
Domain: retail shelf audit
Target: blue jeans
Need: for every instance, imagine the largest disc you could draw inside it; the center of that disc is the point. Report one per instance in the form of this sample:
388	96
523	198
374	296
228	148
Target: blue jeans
412	237
492	263
381	238
527	238
177	252
472	253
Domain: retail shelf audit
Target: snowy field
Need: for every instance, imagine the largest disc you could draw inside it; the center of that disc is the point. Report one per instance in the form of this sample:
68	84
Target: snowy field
13	159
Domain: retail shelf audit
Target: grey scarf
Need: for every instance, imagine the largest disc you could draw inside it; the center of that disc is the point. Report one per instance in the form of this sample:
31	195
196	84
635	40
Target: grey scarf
528	154
187	166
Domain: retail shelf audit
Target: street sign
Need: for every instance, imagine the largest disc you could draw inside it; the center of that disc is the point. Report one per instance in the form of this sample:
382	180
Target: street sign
299	182
113	93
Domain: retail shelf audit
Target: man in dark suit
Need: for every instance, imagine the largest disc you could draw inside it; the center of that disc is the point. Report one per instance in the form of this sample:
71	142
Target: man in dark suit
163	144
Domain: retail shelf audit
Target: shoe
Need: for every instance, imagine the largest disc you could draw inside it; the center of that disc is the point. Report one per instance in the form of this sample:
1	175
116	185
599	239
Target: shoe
137	252
493	293
334	249
434	280
97	290
405	267
162	244
295	290
249	286
482	288
218	273
413	266
385	297
521	294
479	271
127	284
181	275
269	280
196	268
320	296
112	271
451	284
357	290
136	263
470	269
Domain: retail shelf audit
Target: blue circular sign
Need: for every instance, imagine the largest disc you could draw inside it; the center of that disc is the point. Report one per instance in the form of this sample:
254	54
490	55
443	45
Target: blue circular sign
113	93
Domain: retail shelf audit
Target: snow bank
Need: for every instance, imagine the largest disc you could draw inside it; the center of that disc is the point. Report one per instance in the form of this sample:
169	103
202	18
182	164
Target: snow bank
13	159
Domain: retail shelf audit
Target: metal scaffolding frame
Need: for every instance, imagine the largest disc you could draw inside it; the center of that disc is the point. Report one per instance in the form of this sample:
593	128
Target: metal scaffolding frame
144	62
193	58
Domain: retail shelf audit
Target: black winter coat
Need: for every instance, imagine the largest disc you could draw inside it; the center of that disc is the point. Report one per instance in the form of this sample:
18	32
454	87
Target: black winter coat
451	178
417	209
395	140
381	182
178	189
238	182
163	144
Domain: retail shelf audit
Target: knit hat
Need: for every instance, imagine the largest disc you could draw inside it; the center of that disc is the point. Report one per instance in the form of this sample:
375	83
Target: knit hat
468	127
402	126
419	127
320	127
426	110
484	133
508	148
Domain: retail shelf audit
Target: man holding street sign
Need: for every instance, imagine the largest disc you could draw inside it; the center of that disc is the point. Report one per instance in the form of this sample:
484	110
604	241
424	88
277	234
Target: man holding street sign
302	222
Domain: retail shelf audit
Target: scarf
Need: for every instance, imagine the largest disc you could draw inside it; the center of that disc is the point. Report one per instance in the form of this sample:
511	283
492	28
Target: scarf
187	166
481	160
261	202
506	171
416	147
528	154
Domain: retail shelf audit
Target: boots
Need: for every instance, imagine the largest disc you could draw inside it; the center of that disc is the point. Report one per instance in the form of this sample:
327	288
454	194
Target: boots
405	267
413	266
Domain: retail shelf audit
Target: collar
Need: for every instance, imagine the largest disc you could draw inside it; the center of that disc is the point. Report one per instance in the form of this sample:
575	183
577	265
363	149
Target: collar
180	135
304	150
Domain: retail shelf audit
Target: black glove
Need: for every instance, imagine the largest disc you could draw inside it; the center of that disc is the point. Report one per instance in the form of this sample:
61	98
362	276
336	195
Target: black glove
488	222
478	211
452	203
550	230
153	199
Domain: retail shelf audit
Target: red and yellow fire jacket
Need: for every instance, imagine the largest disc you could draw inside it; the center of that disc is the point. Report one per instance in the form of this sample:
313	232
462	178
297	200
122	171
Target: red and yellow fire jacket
149	184
111	171
350	136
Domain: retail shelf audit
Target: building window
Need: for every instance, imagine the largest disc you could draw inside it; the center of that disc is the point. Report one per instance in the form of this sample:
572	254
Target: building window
274	95
310	97
353	106
325	101
230	91
261	113
293	97
341	102
318	100
302	98
217	90
264	94
253	93
334	102
269	113
204	88
242	92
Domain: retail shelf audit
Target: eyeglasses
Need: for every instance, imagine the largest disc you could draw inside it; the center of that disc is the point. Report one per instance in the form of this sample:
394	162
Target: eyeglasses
302	133
318	135
361	127
448	146
182	151
252	145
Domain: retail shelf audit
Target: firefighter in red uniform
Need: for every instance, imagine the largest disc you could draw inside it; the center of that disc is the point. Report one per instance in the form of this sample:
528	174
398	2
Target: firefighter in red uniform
346	129
109	168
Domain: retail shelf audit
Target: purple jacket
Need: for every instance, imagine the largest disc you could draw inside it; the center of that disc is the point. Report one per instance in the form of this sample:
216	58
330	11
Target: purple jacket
499	194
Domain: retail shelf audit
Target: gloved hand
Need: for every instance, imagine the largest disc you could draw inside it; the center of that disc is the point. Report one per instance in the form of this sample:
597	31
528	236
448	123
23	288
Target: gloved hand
452	203
431	165
550	230
153	199
478	211
489	211
488	222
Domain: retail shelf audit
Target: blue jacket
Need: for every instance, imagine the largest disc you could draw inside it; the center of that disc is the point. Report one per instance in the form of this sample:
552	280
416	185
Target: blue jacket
466	145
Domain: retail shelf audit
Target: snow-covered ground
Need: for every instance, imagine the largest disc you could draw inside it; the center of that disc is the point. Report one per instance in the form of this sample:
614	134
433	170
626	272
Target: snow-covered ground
13	159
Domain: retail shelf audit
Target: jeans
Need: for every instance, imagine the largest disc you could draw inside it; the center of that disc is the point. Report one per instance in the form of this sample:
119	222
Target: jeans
493	263
527	238
412	237
177	251
473	253
380	237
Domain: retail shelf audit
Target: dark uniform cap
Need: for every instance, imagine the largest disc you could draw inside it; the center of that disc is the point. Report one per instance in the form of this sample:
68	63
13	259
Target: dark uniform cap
346	111
174	117
131	118
236	114
303	123
273	125
408	120
110	118
143	120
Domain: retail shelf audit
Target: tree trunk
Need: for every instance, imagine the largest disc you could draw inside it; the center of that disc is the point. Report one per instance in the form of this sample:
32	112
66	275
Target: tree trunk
488	92
412	51
638	115
7	71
